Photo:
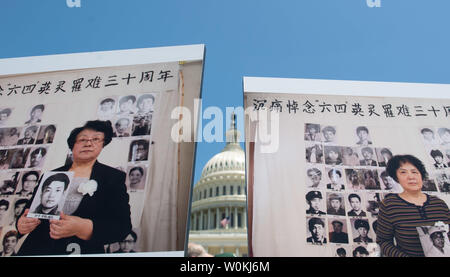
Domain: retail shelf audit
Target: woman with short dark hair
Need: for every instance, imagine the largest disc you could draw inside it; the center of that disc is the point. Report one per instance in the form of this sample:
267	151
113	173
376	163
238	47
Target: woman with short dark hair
401	213
89	220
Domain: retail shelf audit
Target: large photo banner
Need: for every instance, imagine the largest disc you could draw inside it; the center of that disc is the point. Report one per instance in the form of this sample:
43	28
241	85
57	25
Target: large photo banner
317	191
137	179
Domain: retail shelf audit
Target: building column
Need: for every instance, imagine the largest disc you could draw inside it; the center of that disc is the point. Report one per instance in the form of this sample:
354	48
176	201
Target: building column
194	224
201	220
236	218
244	218
227	214
217	218
209	219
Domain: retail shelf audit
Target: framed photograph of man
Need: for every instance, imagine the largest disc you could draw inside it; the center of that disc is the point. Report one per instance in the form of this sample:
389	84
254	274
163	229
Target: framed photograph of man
136	177
139	150
128	245
429	136
37	156
363	136
127	106
145	104
18	157
383	156
107	108
8	182
312	132
5	114
361	230
50	195
335	178
315	203
338	231
387	182
9	239
10	136
434	239
333	155
335	204
438	158
329	134
350	156
314	152
360	251
142	125
46	134
5	158
367	156
28	180
36	113
316	230
315	178
355	204
28	135
122	126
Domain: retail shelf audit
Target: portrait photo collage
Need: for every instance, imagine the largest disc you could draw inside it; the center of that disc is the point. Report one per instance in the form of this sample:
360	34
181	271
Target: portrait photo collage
131	117
23	152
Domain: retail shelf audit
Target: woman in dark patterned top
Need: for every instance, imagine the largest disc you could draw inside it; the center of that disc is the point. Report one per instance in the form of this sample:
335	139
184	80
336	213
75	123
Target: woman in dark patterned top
401	214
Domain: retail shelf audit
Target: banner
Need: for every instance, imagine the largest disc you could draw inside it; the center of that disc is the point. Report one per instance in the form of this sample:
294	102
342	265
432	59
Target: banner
318	192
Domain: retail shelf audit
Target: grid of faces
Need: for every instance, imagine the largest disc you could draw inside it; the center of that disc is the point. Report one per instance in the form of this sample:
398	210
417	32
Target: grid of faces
344	187
23	152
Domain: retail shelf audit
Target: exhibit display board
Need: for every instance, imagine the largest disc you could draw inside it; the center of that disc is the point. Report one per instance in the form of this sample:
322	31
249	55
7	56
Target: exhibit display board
42	99
316	159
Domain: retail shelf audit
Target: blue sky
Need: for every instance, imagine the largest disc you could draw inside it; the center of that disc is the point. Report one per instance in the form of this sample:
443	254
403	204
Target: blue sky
403	41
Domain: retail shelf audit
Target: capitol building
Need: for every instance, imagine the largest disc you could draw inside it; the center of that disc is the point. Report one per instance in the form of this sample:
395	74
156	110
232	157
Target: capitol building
219	210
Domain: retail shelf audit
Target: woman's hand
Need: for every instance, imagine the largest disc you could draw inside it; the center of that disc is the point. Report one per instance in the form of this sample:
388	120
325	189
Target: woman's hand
25	224
68	226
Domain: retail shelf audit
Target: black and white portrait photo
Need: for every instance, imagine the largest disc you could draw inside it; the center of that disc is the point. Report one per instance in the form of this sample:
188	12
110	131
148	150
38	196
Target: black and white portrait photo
429	137
383	156
434	240
314	152
335	204
333	155
367	157
312	132
106	108
9	136
5	114
27	182
5	158
29	135
8	182
355	204
444	136
316	230
387	182
337	231
128	245
136	177
37	157
360	229
363	136
360	251
373	201
439	159
46	134
145	104
341	251
354	178
443	181
142	125
314	177
329	134
371	181
18	157
36	114
316	204
335	179
139	150
127	105
50	196
122	127
350	156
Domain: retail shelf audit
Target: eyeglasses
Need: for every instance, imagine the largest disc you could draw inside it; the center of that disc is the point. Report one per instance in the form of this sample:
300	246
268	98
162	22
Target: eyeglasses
92	140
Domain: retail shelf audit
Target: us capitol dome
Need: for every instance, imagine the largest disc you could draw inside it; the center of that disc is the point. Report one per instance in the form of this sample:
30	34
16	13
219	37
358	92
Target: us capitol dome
219	210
